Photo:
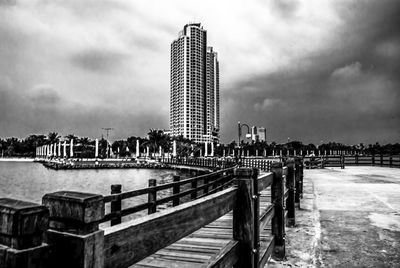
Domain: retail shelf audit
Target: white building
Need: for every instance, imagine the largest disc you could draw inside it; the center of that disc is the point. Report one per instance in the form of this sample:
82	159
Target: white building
194	99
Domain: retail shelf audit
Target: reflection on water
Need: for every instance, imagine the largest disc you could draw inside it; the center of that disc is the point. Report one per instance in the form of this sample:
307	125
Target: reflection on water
30	181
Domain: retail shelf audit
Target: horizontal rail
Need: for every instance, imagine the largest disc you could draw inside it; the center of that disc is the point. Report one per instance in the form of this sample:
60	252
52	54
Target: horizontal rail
267	252
264	181
188	192
147	190
266	216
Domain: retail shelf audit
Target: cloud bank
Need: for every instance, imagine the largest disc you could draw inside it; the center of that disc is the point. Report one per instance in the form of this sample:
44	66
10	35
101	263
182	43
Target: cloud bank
308	70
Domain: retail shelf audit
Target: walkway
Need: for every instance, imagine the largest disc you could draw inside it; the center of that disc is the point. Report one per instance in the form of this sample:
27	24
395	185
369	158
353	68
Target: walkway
201	247
349	218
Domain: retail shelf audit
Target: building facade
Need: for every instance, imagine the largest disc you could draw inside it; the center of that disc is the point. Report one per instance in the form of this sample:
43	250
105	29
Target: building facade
194	95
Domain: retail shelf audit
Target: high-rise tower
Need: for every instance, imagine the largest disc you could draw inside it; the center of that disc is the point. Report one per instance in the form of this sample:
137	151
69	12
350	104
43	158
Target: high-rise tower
194	100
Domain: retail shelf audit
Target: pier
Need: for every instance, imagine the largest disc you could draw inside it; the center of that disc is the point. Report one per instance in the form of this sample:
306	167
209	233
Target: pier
242	216
232	216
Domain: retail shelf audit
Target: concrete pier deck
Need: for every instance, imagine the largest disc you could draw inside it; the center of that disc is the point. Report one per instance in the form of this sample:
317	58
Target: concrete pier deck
349	218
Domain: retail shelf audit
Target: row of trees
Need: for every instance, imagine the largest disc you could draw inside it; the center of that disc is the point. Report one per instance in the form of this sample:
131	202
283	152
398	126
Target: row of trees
84	146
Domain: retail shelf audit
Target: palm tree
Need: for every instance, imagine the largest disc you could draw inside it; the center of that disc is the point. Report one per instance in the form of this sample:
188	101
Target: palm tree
53	137
157	138
71	137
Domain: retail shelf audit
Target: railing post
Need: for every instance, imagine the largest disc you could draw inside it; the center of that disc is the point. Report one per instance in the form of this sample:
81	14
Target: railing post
116	204
297	181
176	190
381	159
356	158
152	197
194	186
290	203
206	181
278	222
246	217
342	162
22	225
390	161
74	233
373	159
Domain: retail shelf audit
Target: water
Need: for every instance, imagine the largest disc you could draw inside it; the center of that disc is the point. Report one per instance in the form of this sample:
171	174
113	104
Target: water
30	181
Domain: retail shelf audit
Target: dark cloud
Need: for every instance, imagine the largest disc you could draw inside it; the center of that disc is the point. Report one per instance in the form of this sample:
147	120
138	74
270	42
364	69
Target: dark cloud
34	114
347	93
44	95
97	60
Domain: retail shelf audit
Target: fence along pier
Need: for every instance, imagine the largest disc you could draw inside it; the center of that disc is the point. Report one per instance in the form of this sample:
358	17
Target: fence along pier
231	217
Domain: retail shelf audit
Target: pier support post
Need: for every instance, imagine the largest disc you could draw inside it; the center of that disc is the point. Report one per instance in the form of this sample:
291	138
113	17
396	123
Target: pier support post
74	229
116	204
298	182
246	225
278	221
290	184
152	197
22	225
176	190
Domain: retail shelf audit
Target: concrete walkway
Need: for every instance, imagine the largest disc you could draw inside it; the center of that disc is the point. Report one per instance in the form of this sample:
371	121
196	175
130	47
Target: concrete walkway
349	218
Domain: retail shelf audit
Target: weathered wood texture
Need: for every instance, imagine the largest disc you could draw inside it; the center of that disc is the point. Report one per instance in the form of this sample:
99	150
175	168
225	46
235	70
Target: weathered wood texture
290	184
245	220
277	198
116	205
22	225
74	235
132	241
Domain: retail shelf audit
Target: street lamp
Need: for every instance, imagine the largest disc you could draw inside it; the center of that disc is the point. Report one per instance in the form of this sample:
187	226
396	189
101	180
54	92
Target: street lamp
240	130
240	134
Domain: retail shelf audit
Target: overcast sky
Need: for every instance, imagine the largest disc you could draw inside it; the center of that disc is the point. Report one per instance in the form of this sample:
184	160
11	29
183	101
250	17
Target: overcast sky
310	70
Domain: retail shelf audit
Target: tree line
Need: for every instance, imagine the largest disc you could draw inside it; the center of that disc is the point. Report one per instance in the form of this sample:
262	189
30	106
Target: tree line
84	146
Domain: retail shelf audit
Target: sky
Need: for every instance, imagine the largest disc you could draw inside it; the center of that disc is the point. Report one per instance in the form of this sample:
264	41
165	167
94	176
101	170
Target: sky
311	70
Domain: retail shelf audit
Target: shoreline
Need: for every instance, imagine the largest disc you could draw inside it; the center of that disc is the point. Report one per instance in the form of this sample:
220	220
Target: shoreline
16	159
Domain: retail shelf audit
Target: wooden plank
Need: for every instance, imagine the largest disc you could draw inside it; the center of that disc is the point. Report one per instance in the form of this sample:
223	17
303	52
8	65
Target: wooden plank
266	251
265	181
266	216
227	257
131	241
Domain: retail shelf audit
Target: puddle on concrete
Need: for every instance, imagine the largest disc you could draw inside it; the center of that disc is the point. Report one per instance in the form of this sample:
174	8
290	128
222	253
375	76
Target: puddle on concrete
389	222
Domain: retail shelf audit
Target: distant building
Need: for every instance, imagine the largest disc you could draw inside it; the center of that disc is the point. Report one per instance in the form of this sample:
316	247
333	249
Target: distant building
262	134
254	134
258	134
194	99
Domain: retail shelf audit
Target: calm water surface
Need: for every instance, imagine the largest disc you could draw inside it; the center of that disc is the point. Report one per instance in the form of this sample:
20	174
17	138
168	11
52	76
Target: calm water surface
30	181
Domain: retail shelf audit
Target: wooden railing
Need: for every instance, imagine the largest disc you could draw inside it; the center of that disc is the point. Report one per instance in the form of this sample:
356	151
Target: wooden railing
263	164
259	163
73	237
353	160
174	192
200	162
153	232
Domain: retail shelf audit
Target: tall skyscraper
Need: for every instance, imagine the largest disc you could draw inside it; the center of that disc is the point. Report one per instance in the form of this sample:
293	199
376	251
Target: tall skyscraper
194	100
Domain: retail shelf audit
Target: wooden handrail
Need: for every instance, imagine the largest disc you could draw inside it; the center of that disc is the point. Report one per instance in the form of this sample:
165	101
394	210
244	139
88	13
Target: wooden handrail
134	193
153	232
212	181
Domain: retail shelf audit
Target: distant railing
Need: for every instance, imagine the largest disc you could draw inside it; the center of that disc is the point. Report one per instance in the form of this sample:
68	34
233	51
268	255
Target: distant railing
218	163
352	160
263	164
